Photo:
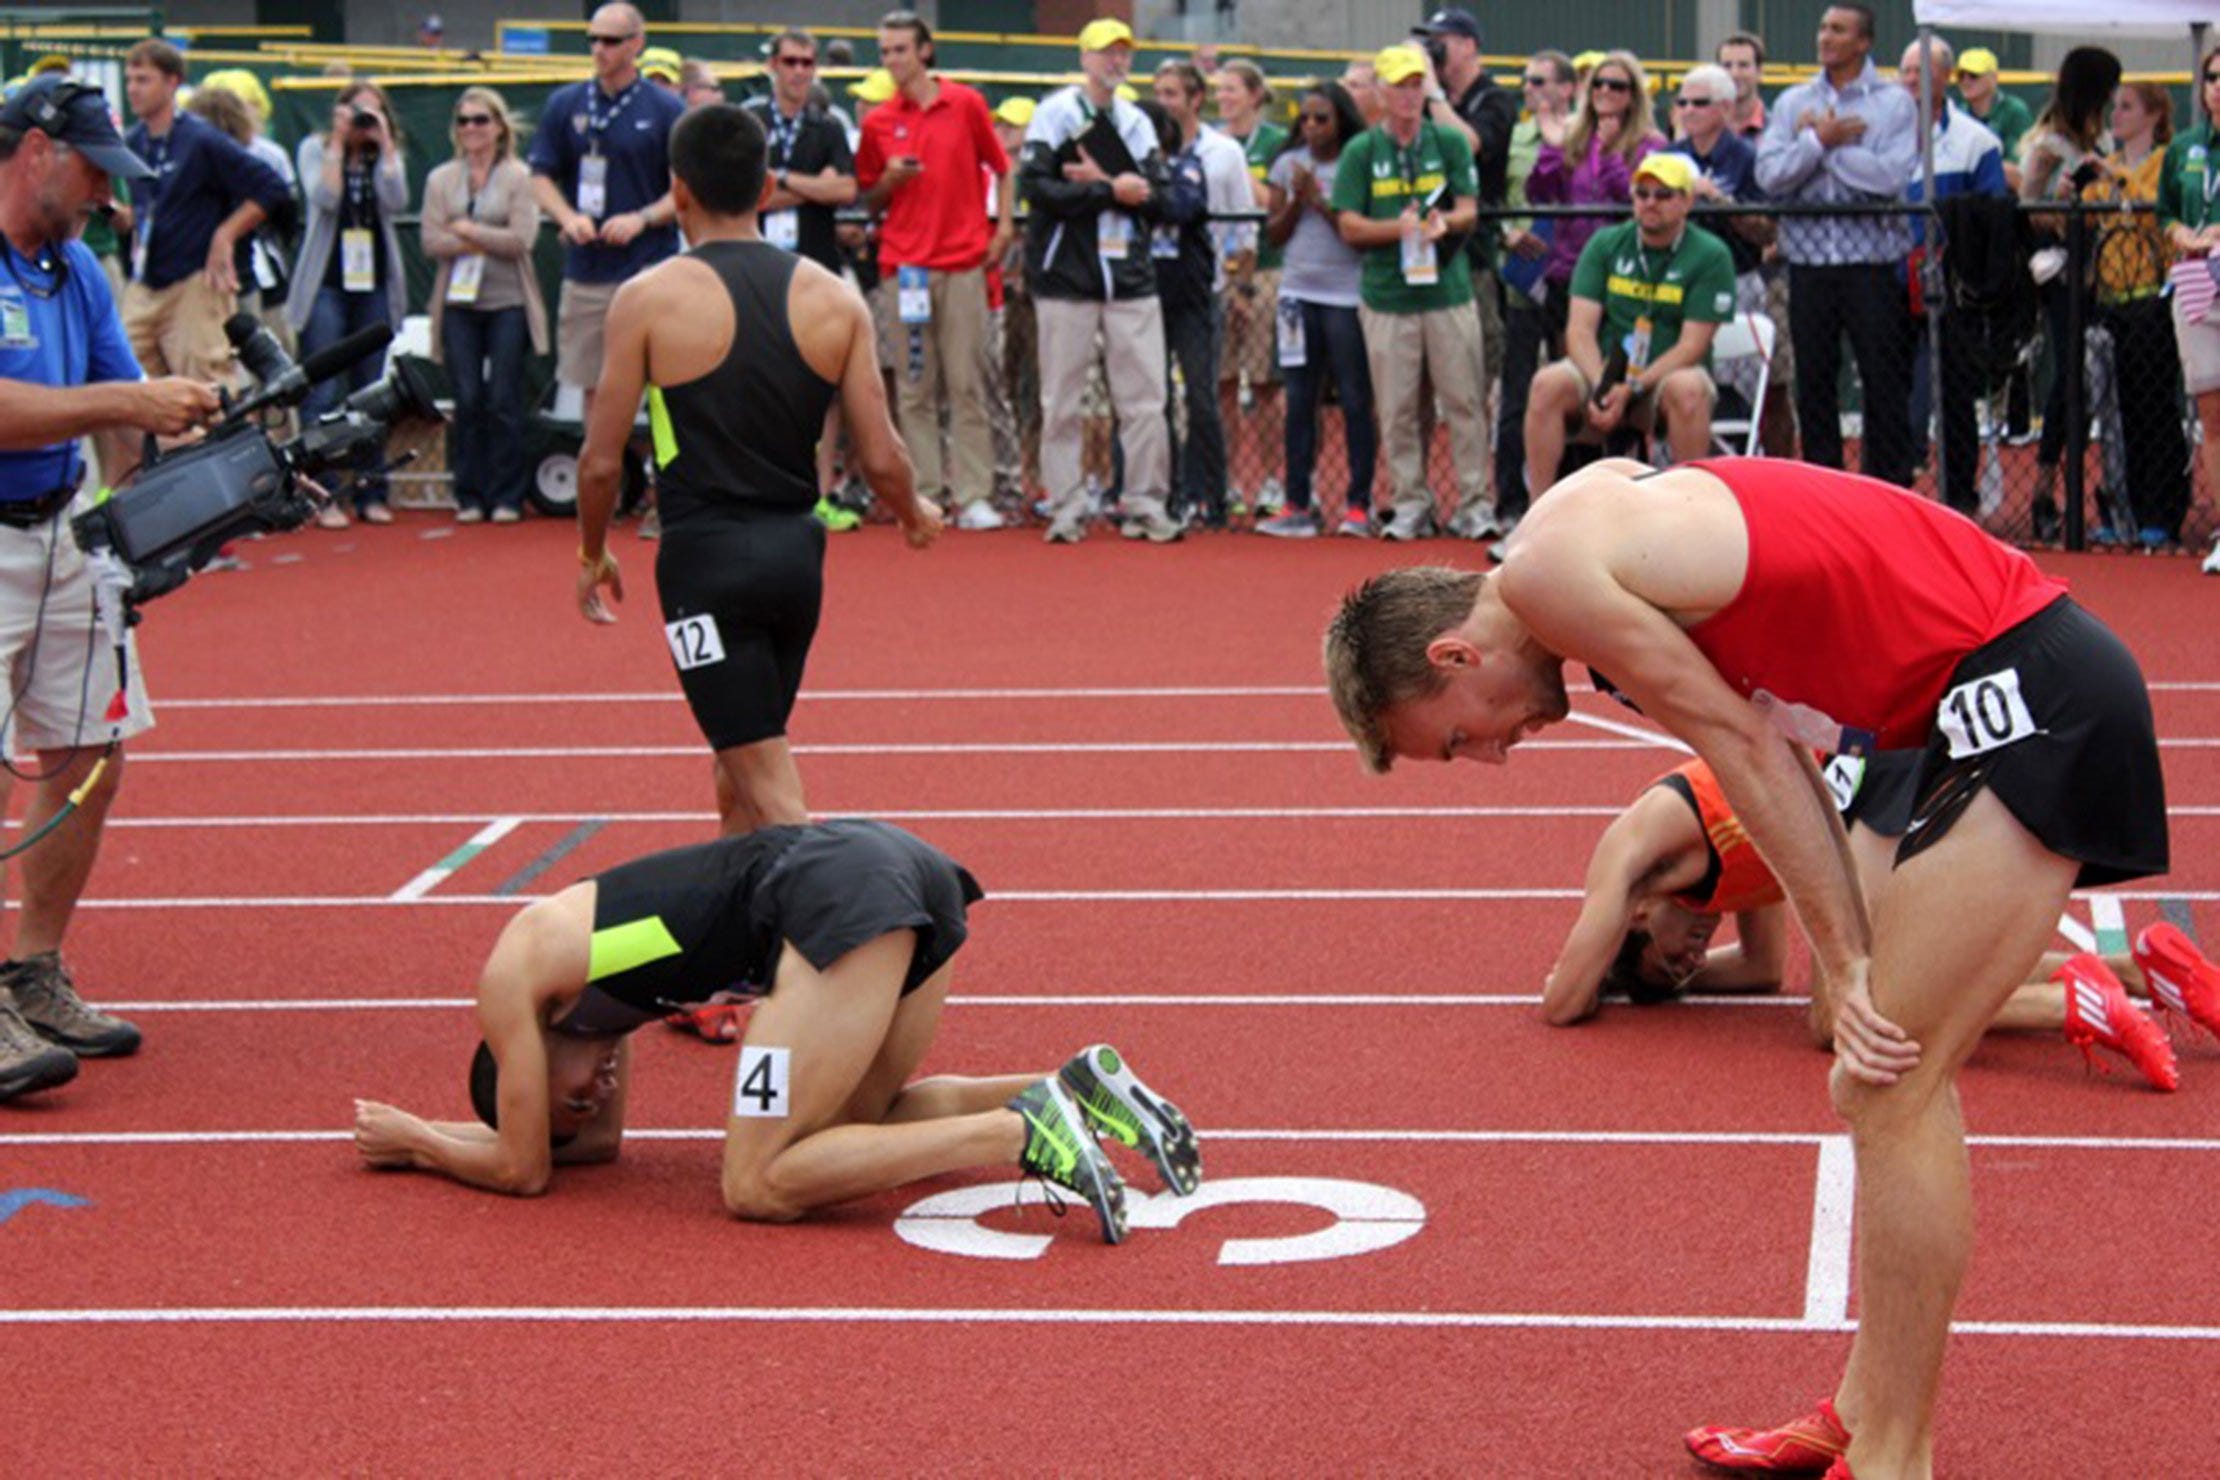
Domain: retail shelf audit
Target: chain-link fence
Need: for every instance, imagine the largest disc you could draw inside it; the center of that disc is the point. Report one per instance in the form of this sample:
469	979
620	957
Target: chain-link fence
1841	318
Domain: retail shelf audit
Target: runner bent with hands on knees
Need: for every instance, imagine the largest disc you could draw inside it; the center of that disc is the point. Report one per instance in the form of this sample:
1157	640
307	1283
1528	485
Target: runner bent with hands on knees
1737	602
854	923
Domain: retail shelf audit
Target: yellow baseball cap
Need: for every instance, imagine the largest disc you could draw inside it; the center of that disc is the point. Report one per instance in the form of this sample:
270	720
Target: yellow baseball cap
1016	112
244	86
1673	171
1977	61
661	61
1397	64
1587	60
876	87
1102	34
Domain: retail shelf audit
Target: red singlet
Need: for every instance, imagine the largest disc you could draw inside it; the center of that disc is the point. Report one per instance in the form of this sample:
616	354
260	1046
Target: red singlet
1743	882
1860	598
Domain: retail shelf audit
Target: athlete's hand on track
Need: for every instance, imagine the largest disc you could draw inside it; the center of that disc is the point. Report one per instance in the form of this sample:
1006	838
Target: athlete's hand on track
924	524
591	578
1867	1044
383	1135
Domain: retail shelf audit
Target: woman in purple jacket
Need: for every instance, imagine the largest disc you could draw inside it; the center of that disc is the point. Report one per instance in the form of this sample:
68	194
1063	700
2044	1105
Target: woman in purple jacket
1591	159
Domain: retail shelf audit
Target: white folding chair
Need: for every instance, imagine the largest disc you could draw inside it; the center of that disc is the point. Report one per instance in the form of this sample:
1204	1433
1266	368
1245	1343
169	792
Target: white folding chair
1746	336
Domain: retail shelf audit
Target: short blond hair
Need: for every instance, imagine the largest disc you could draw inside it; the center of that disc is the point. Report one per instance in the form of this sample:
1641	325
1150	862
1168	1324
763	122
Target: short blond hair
1375	648
505	148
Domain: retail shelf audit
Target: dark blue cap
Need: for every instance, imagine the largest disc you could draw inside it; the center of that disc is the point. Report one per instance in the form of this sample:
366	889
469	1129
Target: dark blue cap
70	112
1449	23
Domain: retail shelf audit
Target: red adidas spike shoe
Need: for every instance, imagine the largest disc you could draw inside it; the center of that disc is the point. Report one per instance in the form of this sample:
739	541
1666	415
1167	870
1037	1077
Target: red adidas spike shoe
2099	1015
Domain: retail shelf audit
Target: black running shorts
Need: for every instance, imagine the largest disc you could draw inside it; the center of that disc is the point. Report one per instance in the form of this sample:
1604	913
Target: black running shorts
2054	718
1887	786
741	591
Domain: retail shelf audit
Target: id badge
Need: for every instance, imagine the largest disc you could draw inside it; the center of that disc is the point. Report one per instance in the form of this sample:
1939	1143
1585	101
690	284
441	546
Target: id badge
1113	236
783	229
265	270
15	323
465	276
913	295
1638	345
358	271
593	186
139	240
1289	328
1164	244
1421	264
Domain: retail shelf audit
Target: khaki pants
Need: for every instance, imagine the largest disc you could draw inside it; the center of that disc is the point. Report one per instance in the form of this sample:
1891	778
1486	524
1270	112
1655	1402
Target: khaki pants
1133	353
179	330
952	371
1445	344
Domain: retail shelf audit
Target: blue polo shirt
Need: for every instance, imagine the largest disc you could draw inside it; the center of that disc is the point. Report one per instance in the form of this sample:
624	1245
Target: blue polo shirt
1732	166
56	329
201	176
633	132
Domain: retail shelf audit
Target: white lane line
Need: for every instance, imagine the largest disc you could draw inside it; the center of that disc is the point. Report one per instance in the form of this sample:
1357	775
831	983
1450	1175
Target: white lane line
1827	1268
694	752
1032	1316
1076	999
926	814
1657	738
2076	933
1384	1137
484	838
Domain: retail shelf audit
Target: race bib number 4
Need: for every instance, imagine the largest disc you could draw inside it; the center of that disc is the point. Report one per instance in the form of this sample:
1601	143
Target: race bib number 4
759	1090
694	642
1984	714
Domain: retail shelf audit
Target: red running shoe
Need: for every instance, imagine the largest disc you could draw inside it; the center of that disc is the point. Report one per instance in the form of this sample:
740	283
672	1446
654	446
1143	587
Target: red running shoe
1806	1447
717	1021
1840	1470
2180	977
2099	1015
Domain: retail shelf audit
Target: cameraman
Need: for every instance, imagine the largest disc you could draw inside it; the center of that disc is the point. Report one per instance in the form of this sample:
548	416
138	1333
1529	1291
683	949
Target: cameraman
66	371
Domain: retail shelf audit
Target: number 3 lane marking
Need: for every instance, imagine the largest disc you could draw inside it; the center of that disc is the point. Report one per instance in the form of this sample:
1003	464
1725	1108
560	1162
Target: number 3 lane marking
1367	1218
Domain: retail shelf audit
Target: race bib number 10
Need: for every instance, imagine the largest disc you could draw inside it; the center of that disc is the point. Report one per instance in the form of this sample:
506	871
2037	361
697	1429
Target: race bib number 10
1984	714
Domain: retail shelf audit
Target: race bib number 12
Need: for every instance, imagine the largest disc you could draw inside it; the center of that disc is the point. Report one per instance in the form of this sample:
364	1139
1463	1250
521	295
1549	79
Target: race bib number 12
694	642
1984	714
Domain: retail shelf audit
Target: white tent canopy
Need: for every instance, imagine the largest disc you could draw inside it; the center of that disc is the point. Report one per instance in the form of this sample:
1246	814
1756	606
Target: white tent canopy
2132	17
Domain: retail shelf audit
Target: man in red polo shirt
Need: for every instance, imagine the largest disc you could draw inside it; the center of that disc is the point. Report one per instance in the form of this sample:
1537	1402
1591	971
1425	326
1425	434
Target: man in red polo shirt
925	161
1762	610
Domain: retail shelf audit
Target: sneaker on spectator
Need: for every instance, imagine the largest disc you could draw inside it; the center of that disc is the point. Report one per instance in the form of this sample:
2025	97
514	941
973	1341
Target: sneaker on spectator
1065	532
469	514
980	515
506	515
832	516
48	1001
1271	498
1475	523
1153	525
1296	524
2212	561
1408	524
27	1061
1356	524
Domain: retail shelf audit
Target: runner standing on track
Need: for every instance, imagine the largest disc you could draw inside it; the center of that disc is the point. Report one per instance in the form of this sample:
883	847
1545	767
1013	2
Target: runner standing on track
744	346
1763	611
854	923
1677	861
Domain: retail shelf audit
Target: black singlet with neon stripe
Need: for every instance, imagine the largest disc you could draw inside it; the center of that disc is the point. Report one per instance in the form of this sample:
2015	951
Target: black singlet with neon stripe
745	434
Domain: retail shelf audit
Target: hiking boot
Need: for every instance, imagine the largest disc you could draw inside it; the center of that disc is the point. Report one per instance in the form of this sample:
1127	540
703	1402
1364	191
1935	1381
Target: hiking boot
1809	1446
1059	1150
2180	977
2099	1015
49	1002
1116	1103
1301	524
27	1061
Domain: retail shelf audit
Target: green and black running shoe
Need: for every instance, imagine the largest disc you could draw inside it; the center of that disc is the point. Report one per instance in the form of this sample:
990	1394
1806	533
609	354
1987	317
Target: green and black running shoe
1118	1104
1059	1150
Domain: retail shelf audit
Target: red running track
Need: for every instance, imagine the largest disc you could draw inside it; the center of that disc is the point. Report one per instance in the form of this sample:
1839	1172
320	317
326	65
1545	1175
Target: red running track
1619	1231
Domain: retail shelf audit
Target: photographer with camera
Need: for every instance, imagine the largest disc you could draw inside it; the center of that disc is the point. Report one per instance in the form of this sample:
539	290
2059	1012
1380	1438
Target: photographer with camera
349	276
66	371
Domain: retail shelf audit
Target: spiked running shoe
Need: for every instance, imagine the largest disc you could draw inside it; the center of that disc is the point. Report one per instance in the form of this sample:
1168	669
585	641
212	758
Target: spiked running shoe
1809	1446
2099	1015
49	1002
1118	1104
1059	1150
2180	977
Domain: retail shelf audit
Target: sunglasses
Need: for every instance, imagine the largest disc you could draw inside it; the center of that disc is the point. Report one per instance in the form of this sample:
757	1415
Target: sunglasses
797	61
473	120
598	40
1317	117
1539	79
1654	195
1611	84
1694	102
2212	77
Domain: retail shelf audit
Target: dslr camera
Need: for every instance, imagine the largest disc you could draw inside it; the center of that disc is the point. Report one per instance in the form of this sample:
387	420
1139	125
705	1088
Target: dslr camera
186	505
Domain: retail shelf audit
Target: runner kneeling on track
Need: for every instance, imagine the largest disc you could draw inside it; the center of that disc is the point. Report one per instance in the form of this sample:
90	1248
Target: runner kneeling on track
1677	861
1763	610
854	923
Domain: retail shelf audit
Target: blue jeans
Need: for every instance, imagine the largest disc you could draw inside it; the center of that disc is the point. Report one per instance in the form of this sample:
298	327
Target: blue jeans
335	316
485	363
1191	338
1333	344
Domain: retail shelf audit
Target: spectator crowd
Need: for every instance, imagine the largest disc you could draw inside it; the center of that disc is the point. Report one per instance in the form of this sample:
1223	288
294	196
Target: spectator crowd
1185	301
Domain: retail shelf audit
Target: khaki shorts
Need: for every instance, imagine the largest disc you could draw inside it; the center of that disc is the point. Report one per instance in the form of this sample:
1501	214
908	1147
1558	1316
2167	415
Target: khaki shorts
2200	357
1641	412
179	330
61	680
578	331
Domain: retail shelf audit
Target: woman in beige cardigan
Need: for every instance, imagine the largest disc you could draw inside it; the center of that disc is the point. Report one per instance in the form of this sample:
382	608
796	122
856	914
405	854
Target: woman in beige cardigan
479	225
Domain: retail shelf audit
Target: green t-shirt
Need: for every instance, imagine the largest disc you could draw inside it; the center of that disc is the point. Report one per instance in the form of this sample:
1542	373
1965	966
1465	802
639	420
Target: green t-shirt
1691	282
2008	119
2186	181
1376	177
1261	148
